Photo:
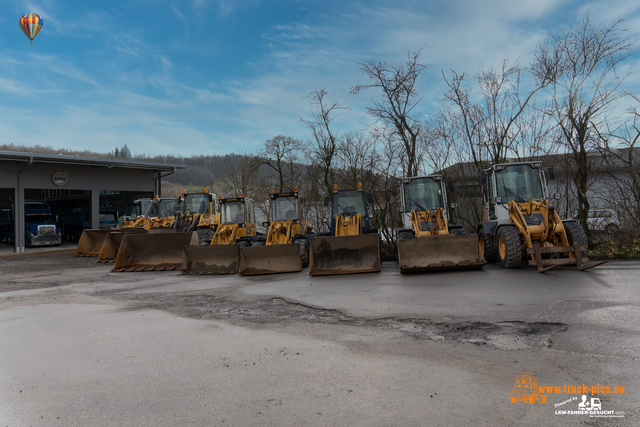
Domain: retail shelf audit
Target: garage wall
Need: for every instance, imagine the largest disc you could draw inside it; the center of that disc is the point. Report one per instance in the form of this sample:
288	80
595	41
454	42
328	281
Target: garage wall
39	175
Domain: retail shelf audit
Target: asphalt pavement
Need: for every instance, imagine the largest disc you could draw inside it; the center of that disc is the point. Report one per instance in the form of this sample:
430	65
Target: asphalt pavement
83	346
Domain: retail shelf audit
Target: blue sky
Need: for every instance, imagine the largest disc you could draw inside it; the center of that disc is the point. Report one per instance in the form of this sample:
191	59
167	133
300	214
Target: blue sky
214	77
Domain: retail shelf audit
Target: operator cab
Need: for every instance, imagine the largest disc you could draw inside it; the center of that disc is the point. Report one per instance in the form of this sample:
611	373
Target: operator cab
521	182
350	202
421	194
284	208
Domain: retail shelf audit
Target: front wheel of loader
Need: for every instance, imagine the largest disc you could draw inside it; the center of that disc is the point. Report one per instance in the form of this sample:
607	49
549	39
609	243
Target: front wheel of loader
576	234
459	232
509	247
405	235
303	251
487	246
205	236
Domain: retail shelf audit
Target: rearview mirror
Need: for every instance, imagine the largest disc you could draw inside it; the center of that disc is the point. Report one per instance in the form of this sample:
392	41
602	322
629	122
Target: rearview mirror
483	179
326	200
552	174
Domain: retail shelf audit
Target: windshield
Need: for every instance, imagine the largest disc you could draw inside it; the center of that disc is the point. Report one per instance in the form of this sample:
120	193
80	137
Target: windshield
39	218
599	214
196	203
145	207
518	182
108	217
232	212
422	194
166	207
284	208
349	201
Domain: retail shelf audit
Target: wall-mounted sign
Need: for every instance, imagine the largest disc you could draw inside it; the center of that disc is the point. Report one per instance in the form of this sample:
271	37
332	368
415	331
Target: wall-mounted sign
60	178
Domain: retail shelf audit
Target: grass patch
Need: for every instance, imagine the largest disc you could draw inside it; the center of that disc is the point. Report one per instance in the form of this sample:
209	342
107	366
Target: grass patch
622	244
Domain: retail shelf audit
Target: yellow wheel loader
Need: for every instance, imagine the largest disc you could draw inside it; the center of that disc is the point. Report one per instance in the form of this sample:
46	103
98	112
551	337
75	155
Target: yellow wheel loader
159	249
92	241
197	212
427	242
522	224
112	243
237	229
286	247
152	251
352	245
155	214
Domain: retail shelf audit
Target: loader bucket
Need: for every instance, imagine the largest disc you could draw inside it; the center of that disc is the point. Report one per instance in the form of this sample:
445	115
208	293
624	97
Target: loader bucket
146	252
344	255
270	259
91	241
113	241
440	252
209	259
161	230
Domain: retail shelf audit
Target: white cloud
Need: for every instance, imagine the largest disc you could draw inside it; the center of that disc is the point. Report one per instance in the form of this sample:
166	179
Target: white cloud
155	94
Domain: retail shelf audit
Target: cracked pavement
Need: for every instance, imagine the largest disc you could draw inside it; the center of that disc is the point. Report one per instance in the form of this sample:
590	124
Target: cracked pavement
84	346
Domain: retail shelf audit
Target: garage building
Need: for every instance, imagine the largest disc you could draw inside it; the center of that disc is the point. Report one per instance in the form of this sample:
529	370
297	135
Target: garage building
72	185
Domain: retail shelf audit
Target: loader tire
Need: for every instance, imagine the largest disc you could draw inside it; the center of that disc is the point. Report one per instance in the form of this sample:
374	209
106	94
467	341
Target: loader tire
258	243
576	234
488	247
509	247
303	251
405	235
205	236
459	232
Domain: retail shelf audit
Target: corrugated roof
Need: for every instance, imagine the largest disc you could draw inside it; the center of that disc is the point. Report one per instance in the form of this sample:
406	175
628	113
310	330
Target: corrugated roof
18	156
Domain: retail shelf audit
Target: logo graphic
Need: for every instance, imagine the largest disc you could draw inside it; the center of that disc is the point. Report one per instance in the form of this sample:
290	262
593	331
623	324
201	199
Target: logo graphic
526	390
59	178
594	405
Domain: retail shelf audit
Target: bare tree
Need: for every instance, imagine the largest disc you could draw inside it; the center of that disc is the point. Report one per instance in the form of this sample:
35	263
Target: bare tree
621	152
358	160
487	125
282	155
396	107
586	86
241	175
493	126
323	144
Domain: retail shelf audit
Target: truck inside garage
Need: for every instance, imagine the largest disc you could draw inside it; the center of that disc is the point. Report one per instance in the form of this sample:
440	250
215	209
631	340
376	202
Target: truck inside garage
46	199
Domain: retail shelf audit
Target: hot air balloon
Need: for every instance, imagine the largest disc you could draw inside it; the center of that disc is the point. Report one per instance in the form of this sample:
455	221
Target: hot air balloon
31	24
